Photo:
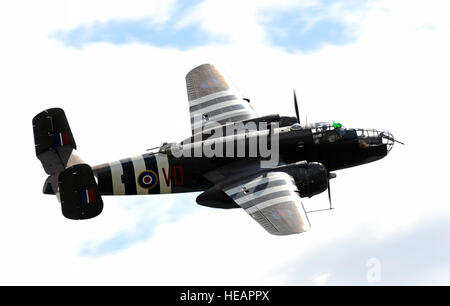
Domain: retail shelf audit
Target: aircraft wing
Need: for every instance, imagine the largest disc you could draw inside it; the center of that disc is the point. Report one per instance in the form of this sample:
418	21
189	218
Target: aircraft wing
213	98
271	199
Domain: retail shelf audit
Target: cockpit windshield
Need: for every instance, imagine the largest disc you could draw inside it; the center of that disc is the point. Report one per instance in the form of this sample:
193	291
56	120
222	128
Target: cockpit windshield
326	126
327	132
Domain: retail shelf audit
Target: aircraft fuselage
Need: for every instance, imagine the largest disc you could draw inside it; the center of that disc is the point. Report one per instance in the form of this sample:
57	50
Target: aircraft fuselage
162	172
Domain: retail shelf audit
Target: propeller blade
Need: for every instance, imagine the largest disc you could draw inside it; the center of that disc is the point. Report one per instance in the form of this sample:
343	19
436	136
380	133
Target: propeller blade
330	177
329	195
296	107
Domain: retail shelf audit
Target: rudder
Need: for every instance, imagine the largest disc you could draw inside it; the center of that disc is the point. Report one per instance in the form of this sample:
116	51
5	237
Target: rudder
53	140
80	197
70	179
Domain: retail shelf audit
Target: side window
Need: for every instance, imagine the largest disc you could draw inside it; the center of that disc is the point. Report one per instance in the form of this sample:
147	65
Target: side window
330	136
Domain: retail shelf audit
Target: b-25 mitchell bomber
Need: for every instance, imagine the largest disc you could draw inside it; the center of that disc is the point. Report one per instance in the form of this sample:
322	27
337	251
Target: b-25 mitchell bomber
237	159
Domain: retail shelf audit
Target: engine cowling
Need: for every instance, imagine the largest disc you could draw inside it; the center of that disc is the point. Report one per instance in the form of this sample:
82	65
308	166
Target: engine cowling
310	178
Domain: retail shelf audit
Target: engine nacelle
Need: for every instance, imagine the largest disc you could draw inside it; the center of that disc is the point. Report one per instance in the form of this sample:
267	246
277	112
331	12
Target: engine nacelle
310	178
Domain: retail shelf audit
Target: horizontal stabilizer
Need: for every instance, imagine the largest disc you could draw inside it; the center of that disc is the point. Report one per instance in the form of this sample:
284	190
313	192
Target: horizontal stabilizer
53	140
80	197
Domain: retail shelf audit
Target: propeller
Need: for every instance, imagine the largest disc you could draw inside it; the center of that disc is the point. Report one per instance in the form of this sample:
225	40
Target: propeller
330	176
329	195
296	107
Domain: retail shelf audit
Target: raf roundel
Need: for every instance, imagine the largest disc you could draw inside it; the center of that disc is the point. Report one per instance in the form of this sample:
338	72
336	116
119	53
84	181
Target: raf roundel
147	179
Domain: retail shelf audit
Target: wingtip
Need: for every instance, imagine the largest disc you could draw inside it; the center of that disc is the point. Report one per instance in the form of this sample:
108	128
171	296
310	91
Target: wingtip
199	67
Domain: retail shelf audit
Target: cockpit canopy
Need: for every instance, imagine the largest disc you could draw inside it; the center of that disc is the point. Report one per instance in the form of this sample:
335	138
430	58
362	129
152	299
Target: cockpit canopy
327	132
326	126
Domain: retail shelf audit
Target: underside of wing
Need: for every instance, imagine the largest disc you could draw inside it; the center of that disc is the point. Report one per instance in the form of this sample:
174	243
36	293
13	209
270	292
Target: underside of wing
272	200
213	100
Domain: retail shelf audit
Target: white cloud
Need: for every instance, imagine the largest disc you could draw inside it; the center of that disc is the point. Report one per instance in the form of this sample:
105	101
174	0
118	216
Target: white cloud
122	100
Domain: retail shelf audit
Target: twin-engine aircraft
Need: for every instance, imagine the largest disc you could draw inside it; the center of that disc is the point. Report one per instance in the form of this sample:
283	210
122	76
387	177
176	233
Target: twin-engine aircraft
237	159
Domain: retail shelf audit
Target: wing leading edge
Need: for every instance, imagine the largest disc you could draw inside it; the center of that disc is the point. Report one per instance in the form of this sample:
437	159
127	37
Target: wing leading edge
271	199
213	99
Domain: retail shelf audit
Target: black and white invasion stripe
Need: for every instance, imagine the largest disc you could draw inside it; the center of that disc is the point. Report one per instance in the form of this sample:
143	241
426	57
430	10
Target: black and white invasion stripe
121	177
219	107
271	199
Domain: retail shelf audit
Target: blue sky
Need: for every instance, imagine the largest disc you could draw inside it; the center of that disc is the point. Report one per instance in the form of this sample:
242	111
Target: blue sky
291	32
296	28
142	31
309	28
152	213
